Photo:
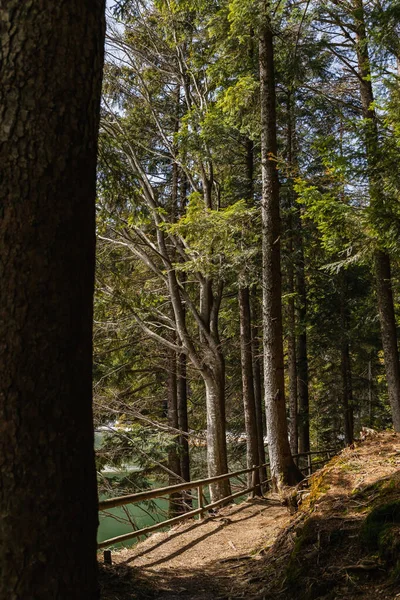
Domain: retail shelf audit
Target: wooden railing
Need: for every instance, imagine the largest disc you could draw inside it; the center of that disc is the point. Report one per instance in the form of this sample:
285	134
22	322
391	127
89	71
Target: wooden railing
198	485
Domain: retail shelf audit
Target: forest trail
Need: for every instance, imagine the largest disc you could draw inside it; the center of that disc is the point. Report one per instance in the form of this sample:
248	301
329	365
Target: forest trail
343	542
198	560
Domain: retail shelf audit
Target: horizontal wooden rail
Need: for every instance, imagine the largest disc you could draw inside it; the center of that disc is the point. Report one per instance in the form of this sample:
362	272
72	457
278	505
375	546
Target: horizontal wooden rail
171	489
146	530
329	450
105	505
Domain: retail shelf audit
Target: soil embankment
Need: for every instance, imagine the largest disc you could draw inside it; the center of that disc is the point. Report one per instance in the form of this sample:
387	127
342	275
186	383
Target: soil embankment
342	543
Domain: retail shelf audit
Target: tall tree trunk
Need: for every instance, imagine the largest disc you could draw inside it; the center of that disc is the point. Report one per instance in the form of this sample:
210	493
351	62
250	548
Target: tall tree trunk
387	320
174	465
291	310
258	397
183	417
297	343
182	366
291	346
247	383
216	439
51	63
347	388
347	393
283	469
246	353
370	396
381	257
182	391
301	347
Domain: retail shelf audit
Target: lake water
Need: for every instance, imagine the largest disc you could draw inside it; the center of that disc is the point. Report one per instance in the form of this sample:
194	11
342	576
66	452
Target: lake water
117	524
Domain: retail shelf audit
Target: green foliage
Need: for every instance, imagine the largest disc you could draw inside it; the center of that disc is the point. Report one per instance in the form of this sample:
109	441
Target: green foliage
218	241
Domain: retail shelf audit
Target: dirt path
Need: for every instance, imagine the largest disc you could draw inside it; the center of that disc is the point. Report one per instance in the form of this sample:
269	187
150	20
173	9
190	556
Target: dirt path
321	552
197	560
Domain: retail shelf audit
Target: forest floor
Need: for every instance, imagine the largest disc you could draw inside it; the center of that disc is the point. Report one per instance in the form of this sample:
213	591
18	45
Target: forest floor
342	543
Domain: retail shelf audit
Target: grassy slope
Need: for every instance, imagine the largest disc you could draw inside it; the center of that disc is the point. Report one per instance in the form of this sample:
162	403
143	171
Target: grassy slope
344	541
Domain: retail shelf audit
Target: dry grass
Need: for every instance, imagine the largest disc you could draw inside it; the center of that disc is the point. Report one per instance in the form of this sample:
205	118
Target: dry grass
328	550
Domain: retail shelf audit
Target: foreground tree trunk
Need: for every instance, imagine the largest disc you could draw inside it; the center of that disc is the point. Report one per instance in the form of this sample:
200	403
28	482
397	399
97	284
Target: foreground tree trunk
49	102
283	469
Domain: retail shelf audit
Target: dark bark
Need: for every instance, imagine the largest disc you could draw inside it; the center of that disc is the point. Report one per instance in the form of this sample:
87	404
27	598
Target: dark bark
347	388
247	382
174	465
301	348
291	348
291	309
370	396
183	421
388	332
297	341
381	257
258	400
347	393
51	64
183	417
246	353
283	468
216	426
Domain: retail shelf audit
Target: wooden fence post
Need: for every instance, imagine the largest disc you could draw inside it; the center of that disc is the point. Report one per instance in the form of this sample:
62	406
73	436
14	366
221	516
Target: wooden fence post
253	481
200	500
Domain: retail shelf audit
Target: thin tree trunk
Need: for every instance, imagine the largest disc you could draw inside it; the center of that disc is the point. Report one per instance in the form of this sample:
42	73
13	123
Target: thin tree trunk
292	361
183	423
347	393
51	63
247	383
283	469
295	263
301	349
250	416
174	465
258	397
347	388
370	396
388	332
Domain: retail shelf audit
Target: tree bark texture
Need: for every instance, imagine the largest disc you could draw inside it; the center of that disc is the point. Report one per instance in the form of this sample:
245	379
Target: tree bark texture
291	345
283	469
258	397
297	341
183	416
216	439
301	346
174	464
347	388
51	65
249	405
388	332
381	258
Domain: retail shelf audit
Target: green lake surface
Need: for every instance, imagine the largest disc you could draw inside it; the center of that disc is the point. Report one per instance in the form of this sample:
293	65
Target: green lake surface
115	522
